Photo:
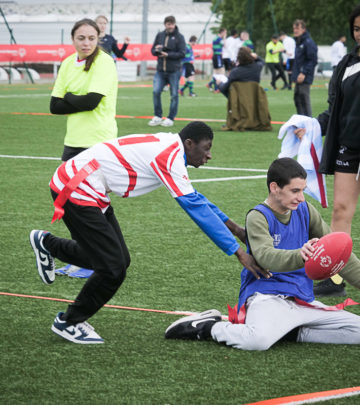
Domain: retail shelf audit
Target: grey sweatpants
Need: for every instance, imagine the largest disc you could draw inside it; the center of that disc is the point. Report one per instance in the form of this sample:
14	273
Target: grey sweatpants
270	317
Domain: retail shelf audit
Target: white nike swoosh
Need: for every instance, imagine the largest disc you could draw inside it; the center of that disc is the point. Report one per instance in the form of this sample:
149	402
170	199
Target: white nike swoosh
195	323
44	260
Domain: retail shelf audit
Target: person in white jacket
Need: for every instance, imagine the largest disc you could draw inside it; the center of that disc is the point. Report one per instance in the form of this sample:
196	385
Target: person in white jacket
338	51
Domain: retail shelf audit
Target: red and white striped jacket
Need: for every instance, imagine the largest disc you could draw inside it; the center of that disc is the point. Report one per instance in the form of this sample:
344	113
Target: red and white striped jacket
128	166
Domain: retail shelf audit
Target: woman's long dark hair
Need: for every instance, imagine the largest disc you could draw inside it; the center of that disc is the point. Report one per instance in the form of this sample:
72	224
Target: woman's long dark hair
86	21
355	13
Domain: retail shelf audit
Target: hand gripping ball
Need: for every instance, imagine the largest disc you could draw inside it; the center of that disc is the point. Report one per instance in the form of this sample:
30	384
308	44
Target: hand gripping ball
331	254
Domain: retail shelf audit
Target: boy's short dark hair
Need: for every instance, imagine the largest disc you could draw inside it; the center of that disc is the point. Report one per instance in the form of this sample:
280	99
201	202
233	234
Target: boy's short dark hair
193	38
298	22
197	131
283	170
170	19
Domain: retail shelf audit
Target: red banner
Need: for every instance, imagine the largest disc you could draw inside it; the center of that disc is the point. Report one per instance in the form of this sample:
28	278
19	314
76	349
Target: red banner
57	53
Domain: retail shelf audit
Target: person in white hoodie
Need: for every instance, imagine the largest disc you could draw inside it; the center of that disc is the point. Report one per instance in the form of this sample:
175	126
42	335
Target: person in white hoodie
288	56
338	51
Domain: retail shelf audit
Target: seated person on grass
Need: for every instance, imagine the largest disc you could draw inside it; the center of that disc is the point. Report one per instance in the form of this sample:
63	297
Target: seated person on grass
280	234
248	70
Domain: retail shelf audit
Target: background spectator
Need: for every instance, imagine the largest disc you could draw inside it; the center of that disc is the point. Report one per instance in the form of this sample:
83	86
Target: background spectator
289	55
274	48
230	50
248	70
169	47
304	67
217	60
107	42
246	41
338	51
188	70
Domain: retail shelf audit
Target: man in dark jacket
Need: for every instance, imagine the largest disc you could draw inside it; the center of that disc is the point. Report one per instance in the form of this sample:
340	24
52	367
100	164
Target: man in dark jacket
169	47
304	67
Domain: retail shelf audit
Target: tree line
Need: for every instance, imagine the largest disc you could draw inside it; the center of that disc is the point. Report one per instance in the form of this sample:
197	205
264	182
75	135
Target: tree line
326	20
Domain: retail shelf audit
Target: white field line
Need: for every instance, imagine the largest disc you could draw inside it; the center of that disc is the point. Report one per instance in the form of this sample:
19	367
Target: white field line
30	157
192	180
232	169
33	95
261	176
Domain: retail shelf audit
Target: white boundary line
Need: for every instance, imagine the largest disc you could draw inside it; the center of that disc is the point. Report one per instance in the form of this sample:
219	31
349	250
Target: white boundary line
261	176
231	168
29	157
192	180
24	95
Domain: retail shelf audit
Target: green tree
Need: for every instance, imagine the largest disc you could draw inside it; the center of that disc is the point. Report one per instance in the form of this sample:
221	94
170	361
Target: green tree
326	20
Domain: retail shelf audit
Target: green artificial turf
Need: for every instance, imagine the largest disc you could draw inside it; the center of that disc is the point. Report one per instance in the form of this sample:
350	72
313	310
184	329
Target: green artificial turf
175	267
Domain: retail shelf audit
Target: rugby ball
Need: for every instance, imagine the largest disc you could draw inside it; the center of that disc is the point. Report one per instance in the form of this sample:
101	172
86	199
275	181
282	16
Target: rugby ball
331	254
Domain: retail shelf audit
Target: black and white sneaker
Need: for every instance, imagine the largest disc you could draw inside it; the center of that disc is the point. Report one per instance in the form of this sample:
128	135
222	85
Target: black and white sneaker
327	288
82	333
196	326
44	261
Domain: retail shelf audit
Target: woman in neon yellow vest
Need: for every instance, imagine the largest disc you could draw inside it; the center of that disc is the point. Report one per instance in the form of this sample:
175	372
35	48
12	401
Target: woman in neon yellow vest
86	90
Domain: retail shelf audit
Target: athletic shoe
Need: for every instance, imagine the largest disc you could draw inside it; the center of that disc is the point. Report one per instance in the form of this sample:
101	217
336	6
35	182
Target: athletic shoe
192	95
167	123
82	333
327	288
209	87
216	91
196	326
181	92
155	121
44	261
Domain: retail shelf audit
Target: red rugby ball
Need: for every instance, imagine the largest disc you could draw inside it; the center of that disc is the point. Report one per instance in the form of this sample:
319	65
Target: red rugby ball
331	254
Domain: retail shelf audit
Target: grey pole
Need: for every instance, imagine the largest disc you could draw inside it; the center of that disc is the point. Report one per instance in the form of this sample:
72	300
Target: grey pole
144	35
111	16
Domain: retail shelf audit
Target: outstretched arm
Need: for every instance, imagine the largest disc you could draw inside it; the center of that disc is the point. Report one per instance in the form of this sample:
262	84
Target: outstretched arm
215	225
236	230
249	262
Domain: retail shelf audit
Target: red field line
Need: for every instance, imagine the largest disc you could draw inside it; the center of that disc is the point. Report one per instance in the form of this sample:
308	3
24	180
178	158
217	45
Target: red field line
106	305
308	398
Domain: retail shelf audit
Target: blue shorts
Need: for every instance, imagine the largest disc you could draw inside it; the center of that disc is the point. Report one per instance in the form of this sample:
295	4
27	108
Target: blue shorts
188	70
217	61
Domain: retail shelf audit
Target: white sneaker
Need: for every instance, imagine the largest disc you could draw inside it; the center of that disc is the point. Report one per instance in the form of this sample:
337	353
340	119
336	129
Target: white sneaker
167	123
44	261
82	333
155	121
